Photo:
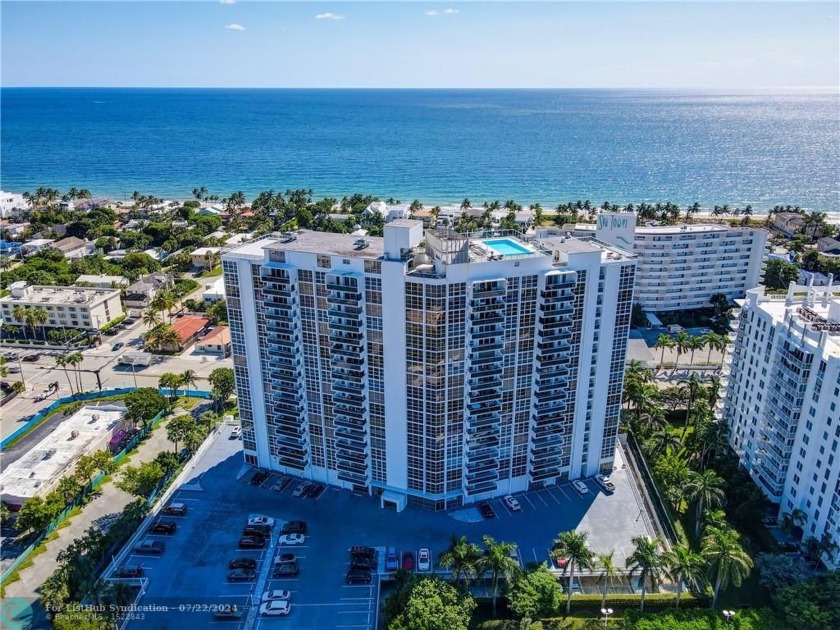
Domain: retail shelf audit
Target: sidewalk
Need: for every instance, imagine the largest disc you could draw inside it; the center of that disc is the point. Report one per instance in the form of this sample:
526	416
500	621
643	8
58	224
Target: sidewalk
101	511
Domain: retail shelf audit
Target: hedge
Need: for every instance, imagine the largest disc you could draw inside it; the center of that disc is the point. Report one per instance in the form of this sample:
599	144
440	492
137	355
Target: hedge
653	601
112	323
757	619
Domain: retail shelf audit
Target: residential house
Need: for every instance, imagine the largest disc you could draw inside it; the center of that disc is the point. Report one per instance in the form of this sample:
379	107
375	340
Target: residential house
214	290
74	248
188	328
35	245
216	342
12	230
206	256
101	281
829	246
139	295
12	203
10	248
788	223
86	205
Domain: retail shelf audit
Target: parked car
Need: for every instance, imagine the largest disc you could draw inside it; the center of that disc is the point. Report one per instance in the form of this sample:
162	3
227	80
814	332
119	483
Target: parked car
259	519
163	527
285	558
291	539
315	490
605	482
242	563
356	576
300	490
294	527
486	509
276	608
581	487
229	613
256	530
287	570
11	356
391	561
259	477
512	503
117	346
236	432
242	575
424	560
251	542
111	332
175	509
129	572
276	595
408	560
13	369
150	547
31	358
282	484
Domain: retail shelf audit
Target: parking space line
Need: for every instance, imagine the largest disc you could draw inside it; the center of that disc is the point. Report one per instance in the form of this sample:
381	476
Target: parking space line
525	496
534	551
551	494
541	499
563	492
507	509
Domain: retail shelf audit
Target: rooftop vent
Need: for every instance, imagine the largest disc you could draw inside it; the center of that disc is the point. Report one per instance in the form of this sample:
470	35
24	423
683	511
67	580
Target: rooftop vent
288	237
361	243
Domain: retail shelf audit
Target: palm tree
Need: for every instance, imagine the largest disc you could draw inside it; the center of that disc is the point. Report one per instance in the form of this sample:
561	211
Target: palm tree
170	381
5	263
572	546
151	317
695	344
665	440
40	316
19	313
694	387
74	359
684	566
61	361
31	319
647	560
681	343
188	379
498	561
466	204
607	574
664	341
462	558
727	560
705	489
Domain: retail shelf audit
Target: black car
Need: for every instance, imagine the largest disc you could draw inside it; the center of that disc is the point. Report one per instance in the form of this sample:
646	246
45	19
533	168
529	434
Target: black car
361	550
294	527
175	509
229	613
31	358
355	576
163	527
287	570
242	575
242	563
256	530
362	564
111	332
117	346
251	542
486	509
150	548
285	558
259	477
129	572
315	490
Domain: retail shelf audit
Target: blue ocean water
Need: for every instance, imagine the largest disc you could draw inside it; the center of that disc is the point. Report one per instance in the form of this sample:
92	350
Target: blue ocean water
439	146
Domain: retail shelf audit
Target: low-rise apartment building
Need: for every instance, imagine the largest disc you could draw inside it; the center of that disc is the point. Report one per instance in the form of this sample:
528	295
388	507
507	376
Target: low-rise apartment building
782	402
66	307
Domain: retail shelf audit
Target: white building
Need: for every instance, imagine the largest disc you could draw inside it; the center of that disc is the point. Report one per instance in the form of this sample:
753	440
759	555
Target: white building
205	256
782	401
35	245
681	267
433	369
101	281
11	204
67	307
388	213
214	290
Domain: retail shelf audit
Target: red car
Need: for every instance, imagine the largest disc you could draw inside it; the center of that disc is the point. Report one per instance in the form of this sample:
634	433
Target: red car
408	560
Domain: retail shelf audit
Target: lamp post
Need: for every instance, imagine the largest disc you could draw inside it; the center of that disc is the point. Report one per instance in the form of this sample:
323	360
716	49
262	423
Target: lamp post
606	612
728	614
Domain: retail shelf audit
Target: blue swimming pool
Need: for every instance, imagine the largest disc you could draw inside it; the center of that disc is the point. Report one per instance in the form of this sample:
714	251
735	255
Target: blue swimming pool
507	247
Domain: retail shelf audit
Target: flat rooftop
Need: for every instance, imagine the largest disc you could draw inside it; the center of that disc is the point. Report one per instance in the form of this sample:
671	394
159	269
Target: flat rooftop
59	295
308	241
39	470
678	228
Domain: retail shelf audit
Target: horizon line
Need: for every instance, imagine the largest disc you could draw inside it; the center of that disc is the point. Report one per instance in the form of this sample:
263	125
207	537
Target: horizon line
522	88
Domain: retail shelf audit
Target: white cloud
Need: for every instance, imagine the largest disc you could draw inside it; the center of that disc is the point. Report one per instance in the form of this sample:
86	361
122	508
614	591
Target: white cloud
235	27
227	1
432	12
451	11
328	16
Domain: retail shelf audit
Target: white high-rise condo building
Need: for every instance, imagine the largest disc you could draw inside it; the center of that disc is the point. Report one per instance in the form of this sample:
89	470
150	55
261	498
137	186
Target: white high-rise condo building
429	368
782	402
681	267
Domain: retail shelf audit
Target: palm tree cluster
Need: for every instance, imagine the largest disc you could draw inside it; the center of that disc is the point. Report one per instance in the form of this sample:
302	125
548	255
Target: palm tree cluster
31	317
173	382
144	202
684	343
71	359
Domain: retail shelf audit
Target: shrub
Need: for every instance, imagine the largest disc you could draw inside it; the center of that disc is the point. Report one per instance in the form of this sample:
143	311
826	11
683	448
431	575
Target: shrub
653	601
759	619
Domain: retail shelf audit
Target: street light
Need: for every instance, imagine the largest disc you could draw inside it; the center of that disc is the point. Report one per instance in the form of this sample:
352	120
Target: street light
606	612
728	614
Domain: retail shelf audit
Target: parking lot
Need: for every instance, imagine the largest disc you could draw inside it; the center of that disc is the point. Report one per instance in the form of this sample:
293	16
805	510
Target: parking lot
191	575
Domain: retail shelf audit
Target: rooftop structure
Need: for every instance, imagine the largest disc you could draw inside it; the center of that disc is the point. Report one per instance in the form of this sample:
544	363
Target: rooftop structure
39	471
70	307
101	281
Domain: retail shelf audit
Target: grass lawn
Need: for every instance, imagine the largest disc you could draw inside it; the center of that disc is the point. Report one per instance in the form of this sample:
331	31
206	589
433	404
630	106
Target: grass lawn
212	273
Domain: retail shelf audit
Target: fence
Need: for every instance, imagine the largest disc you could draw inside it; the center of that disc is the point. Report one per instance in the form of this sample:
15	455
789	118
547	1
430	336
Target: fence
96	480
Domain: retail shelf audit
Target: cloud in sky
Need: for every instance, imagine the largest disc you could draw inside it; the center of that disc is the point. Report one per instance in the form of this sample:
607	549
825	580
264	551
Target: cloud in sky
432	12
234	27
451	11
328	16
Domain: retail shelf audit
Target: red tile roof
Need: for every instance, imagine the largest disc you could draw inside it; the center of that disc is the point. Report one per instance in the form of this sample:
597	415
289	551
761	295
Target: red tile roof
219	336
189	326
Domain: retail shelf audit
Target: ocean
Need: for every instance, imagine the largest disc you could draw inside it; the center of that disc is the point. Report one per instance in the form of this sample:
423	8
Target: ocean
439	146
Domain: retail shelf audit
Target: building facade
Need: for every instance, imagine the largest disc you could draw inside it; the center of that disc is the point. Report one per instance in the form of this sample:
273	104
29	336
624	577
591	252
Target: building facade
782	402
66	307
681	267
430	368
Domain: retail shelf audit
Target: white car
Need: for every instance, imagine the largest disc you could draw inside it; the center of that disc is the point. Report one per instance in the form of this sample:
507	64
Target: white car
236	432
259	519
291	539
512	503
424	560
605	483
578	485
276	608
276	596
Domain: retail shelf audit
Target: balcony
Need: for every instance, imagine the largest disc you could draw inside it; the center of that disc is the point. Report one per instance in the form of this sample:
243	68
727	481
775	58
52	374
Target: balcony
480	487
546	395
348	387
356	478
352	432
352	411
340	307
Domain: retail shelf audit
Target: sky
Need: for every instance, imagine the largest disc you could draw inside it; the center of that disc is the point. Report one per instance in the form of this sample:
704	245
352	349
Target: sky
237	43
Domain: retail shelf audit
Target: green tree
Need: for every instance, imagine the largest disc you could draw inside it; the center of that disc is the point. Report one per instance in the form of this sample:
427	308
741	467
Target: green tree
683	565
35	514
167	461
62	361
433	604
572	546
178	429
217	312
778	571
222	385
188	379
665	441
727	560
534	594
647	561
170	381
778	274
497	560
141	480
682	344
144	404
104	461
607	572
813	604
461	558
664	341
705	490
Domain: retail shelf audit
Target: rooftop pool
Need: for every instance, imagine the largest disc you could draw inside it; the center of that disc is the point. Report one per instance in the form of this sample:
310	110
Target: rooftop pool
507	247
